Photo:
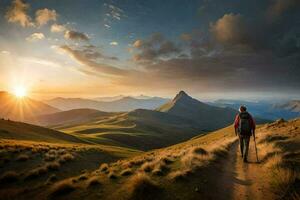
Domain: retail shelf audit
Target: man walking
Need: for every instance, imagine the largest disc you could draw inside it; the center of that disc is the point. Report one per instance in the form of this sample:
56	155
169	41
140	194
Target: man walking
244	126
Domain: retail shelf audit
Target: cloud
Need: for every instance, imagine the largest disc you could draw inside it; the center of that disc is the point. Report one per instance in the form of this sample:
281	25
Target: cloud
89	57
43	16
137	44
114	43
35	37
153	48
74	35
56	28
230	29
5	52
281	6
112	13
17	13
186	37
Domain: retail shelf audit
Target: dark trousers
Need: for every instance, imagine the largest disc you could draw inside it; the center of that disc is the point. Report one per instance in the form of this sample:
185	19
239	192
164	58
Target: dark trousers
244	145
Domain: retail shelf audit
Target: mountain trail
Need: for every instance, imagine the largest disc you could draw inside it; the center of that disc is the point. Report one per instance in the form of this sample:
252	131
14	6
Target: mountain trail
241	180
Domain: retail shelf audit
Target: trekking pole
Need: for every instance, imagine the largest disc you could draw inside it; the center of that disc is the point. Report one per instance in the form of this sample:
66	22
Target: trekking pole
255	148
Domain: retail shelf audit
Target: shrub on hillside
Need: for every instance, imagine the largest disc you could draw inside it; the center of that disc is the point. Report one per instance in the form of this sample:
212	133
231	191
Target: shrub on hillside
53	165
83	177
179	174
126	172
23	157
93	181
9	176
148	166
49	157
61	188
103	167
66	157
199	150
140	186
34	173
112	175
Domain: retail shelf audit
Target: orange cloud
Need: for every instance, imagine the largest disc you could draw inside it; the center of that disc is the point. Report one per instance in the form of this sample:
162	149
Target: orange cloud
43	16
17	13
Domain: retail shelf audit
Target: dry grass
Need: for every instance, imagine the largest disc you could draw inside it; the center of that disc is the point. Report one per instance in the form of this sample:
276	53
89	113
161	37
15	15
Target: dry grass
281	160
148	166
140	186
126	172
51	179
112	175
93	181
160	168
37	172
199	150
49	157
179	174
192	160
66	157
61	188
53	165
103	167
83	177
9	176
283	183
23	157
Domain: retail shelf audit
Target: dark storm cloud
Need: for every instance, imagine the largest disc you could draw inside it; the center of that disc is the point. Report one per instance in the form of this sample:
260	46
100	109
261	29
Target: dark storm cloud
154	47
239	51
75	35
279	7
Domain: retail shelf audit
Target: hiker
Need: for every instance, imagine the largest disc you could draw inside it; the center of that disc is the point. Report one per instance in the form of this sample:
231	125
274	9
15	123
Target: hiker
244	126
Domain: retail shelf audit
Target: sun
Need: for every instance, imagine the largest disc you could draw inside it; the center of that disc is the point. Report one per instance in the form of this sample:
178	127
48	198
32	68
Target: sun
20	91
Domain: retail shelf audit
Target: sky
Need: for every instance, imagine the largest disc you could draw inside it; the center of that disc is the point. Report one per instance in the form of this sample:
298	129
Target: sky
209	48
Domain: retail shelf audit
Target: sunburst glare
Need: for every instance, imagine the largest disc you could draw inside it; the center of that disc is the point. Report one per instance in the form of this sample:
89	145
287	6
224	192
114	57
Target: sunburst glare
20	91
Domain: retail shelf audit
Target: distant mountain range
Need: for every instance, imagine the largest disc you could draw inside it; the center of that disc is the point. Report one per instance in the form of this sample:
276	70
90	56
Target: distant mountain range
177	120
123	104
264	109
19	109
164	122
114	98
292	106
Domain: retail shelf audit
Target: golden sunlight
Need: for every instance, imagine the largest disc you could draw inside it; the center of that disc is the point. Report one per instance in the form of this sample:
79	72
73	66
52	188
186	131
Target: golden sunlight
20	91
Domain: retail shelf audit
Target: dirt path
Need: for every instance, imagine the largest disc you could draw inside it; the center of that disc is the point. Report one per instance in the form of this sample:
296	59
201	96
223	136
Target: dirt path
244	180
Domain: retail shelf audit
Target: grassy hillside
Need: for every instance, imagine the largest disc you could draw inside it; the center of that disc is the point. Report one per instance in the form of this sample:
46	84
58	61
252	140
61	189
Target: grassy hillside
176	121
140	129
130	178
70	117
22	131
32	157
205	167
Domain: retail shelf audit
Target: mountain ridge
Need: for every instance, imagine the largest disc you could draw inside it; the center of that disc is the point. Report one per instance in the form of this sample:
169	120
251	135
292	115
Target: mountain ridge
204	114
21	108
124	104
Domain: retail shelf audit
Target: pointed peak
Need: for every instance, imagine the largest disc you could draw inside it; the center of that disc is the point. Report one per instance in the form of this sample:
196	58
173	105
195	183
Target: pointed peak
181	95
